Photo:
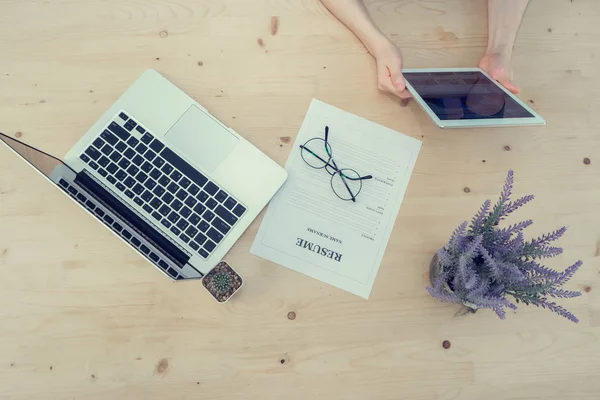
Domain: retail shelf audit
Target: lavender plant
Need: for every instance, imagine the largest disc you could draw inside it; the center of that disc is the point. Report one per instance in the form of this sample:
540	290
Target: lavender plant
482	263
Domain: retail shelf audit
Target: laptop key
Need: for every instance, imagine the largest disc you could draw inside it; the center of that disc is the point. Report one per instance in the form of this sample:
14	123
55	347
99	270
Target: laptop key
99	212
141	177
90	205
99	143
167	169
123	116
166	223
144	249
214	235
93	153
129	194
158	190
109	219
209	246
124	163
155	174
138	189
176	176
221	226
129	153
117	130
158	162
226	215
190	202
184	183
133	170
107	149
147	167
185	212
203	226
149	155
109	137
141	148
230	203
140	129
156	216
121	146
147	196
167	197
192	189
81	198
130	125
147	138
164	210
149	184
221	196
194	245
93	165
63	183
184	237
182	194
203	253
102	172
138	201
194	219
117	227
199	208
84	158
156	203
157	145
173	217
172	272
111	179
154	257
175	230
104	161
200	238
211	188
135	241
202	196
112	168
182	224
211	203
132	141
115	156
147	208
176	205
189	171
208	215
164	180
172	187
239	210
120	175
73	191
191	231
129	182
163	264
126	234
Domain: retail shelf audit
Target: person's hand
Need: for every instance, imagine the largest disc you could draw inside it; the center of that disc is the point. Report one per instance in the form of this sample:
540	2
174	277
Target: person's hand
389	70
498	67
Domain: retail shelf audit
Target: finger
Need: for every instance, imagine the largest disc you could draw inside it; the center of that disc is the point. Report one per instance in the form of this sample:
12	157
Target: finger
384	81
405	95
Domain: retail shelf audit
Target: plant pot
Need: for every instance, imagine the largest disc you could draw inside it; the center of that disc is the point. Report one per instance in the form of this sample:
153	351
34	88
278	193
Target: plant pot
435	270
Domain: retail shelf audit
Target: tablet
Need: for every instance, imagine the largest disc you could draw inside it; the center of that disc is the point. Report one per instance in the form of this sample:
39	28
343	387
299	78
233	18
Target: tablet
467	97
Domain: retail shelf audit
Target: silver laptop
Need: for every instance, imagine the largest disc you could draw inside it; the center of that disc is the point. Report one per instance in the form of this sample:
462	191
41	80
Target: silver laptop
166	176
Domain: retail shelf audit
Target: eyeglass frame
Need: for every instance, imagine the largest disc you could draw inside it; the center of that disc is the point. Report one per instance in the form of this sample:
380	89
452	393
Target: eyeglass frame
332	164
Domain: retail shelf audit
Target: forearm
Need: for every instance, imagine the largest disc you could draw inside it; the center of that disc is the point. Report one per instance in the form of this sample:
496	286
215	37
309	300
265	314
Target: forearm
354	14
504	19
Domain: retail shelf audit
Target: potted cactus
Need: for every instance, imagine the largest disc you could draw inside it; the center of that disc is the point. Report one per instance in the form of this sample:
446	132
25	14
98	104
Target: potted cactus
483	265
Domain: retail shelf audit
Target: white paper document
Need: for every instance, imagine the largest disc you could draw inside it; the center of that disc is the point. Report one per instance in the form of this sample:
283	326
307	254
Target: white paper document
309	229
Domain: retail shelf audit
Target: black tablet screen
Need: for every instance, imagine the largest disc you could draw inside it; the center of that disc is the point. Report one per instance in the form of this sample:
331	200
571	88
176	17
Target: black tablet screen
464	95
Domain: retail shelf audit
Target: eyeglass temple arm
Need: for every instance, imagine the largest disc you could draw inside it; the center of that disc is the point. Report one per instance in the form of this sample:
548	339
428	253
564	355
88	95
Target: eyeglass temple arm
316	155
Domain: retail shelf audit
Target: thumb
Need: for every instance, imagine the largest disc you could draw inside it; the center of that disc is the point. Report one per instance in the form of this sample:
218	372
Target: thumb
514	89
397	78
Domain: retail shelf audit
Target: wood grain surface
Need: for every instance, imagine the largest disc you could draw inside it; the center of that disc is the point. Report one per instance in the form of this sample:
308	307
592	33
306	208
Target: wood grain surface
84	317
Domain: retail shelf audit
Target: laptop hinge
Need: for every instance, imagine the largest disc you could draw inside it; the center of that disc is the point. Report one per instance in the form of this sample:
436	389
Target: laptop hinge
132	219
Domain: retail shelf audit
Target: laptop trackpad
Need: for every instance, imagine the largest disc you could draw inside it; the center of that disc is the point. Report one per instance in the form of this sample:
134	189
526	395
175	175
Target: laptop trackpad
201	139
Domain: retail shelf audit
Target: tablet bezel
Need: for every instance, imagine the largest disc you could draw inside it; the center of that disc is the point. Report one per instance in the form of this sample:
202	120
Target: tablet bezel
473	123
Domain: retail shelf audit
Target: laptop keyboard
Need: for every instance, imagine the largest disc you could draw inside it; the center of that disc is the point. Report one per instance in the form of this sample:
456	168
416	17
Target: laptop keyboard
129	235
169	190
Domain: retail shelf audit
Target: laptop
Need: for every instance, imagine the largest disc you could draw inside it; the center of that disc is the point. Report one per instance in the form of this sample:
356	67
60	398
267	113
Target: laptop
167	177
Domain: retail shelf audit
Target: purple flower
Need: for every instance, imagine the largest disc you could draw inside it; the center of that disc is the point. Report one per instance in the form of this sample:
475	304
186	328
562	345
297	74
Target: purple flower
483	265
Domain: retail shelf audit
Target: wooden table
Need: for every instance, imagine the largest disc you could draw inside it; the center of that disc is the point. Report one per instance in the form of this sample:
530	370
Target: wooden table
84	317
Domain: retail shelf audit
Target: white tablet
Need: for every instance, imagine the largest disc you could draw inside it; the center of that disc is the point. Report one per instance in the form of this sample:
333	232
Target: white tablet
467	97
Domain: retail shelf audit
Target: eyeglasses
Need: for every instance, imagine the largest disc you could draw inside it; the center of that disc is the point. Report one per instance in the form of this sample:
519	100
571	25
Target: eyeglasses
346	183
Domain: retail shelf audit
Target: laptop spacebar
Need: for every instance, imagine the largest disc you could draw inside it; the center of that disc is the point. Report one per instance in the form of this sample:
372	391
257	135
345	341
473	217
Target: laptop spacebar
130	217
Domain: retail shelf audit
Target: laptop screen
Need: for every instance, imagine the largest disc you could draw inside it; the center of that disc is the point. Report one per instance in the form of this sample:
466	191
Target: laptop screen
43	162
